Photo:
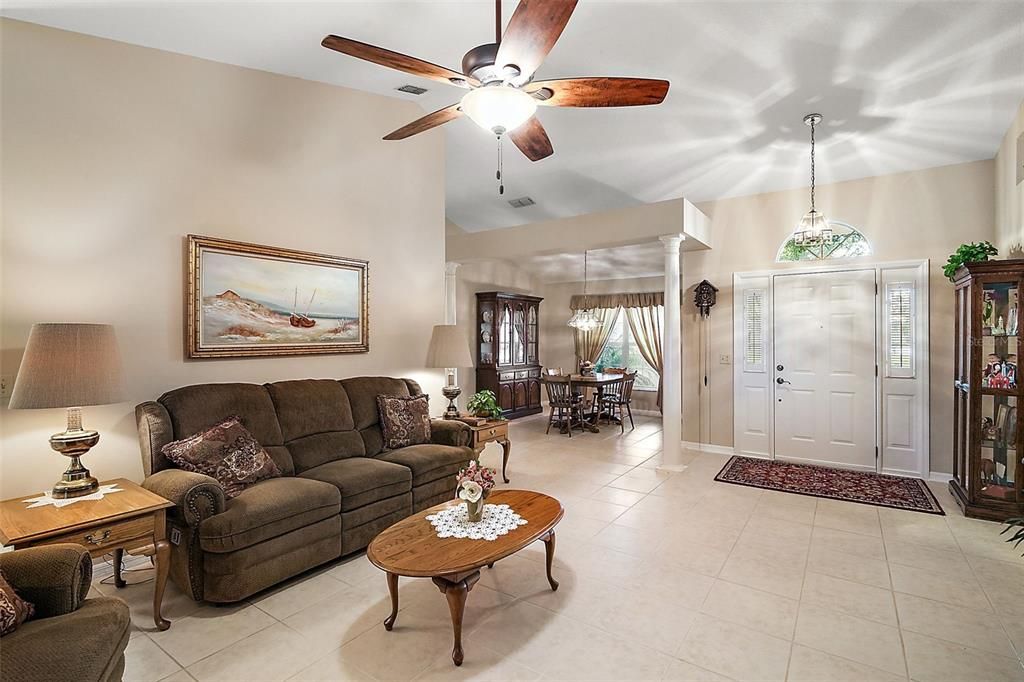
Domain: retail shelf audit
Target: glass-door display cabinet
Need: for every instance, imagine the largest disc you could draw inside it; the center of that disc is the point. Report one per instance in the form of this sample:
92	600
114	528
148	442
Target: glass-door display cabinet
987	445
507	348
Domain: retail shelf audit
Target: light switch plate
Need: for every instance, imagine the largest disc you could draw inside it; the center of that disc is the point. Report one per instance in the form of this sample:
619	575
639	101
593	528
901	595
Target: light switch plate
724	359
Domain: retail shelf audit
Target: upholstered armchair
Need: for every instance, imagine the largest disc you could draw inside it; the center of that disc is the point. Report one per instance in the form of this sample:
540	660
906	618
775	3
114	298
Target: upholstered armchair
69	637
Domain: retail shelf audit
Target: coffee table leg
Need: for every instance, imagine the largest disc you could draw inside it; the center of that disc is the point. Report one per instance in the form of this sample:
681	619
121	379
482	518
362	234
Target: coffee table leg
549	553
389	622
506	448
455	592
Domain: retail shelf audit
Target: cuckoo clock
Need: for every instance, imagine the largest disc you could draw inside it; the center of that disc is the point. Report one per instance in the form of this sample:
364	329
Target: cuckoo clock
704	297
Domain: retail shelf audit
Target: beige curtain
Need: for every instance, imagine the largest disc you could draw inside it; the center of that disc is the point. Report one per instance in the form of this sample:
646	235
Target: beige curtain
589	344
645	323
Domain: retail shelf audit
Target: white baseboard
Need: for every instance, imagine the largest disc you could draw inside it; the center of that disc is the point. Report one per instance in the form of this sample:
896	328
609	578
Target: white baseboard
939	476
647	413
709	447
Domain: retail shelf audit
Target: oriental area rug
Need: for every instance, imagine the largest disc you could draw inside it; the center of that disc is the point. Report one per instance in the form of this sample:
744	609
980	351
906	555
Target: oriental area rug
862	487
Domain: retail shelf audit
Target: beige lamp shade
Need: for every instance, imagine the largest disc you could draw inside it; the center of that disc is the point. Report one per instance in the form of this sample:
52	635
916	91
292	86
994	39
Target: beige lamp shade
69	365
448	348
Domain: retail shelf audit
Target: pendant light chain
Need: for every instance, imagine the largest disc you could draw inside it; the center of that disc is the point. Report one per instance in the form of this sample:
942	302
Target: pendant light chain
812	164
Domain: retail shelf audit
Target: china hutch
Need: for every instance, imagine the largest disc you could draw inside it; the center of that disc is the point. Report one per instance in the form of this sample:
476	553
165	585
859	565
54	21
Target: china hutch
507	355
987	445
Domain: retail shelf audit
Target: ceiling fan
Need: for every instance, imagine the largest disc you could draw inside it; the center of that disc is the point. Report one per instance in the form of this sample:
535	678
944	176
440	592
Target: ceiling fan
503	97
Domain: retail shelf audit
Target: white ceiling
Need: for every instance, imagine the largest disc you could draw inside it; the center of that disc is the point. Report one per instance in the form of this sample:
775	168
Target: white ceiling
902	86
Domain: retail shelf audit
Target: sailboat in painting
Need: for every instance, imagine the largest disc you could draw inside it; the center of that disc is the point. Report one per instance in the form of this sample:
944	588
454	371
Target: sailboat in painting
298	319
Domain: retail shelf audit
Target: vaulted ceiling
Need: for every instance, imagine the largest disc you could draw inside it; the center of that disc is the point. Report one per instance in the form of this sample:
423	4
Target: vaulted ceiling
902	86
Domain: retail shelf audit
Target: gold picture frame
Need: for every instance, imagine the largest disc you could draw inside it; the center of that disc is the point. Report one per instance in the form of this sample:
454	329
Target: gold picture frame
249	300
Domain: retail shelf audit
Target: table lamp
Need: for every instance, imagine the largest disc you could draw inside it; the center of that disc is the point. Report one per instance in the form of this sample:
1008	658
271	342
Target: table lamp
70	365
449	349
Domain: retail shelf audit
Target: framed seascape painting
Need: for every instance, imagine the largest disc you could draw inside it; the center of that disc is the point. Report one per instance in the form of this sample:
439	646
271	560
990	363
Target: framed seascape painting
247	300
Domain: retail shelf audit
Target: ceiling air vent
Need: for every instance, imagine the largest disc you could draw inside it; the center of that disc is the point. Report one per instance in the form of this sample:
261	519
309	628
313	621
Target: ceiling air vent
412	89
521	202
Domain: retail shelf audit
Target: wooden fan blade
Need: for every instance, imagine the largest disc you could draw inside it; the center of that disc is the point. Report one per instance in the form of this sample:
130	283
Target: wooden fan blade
599	92
532	140
449	113
532	32
397	60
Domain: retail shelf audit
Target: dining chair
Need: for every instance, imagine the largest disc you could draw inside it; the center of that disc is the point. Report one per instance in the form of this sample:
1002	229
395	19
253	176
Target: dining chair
565	406
617	400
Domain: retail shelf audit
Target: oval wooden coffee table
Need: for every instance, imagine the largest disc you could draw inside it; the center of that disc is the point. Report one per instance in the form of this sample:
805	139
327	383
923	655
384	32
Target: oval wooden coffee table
411	548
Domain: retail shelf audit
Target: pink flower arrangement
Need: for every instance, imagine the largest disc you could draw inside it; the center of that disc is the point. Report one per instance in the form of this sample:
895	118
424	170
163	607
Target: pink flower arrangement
482	476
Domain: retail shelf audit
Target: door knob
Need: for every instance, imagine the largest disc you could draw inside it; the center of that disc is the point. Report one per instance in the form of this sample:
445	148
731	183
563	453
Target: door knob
781	381
779	367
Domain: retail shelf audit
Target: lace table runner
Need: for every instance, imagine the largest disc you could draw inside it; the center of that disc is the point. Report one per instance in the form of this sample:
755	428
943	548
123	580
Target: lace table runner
453	522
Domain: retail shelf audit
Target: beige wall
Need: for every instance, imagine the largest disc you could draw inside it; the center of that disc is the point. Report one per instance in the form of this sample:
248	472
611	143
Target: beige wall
916	215
112	153
1010	194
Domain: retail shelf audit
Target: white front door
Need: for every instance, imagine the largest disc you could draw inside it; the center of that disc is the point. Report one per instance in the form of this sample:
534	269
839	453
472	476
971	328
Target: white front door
824	373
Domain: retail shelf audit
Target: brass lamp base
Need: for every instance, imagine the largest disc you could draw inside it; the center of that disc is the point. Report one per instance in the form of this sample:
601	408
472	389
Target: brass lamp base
451	392
74	443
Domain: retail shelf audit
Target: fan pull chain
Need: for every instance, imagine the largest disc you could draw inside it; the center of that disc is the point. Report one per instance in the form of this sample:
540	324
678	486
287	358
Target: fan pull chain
501	184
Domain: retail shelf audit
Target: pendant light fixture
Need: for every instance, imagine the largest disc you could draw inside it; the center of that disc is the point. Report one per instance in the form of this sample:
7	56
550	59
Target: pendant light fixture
813	229
584	320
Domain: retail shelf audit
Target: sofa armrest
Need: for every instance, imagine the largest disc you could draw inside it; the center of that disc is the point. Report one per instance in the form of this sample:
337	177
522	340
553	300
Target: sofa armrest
450	432
196	497
55	578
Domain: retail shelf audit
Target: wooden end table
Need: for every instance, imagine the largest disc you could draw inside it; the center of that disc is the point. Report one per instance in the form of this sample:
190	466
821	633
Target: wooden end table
492	431
411	548
133	521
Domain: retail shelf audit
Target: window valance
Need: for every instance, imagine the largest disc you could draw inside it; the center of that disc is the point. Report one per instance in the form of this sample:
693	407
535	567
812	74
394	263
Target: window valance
634	300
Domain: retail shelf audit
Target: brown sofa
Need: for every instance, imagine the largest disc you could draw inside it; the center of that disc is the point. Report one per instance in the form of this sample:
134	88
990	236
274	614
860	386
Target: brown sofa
339	487
69	637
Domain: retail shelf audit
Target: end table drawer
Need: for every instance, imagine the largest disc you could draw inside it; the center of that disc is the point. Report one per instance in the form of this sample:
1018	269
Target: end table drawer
489	433
109	534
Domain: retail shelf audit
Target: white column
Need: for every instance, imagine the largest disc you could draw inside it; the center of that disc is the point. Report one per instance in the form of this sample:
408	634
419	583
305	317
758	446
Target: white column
671	348
449	292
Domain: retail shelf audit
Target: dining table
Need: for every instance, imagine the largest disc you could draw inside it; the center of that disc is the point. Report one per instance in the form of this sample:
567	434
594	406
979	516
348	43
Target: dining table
598	381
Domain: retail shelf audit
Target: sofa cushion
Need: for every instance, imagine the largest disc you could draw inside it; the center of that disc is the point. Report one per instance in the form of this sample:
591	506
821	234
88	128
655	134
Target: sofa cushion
194	408
362	394
405	420
362	480
429	462
227	452
266	510
310	406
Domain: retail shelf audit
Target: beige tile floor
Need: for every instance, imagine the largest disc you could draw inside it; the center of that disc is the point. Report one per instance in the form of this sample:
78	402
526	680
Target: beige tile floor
662	578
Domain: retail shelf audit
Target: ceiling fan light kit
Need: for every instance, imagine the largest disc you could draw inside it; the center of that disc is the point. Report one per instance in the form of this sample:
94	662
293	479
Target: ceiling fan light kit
503	97
498	108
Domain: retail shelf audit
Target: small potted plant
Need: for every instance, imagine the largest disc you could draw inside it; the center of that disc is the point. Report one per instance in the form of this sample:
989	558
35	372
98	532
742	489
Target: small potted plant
485	404
968	253
474	482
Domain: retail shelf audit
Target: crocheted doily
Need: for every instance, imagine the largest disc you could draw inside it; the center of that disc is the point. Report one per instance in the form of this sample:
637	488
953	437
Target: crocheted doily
497	520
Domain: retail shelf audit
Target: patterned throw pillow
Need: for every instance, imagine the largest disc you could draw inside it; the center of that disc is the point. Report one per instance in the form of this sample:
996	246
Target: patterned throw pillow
13	609
405	420
226	451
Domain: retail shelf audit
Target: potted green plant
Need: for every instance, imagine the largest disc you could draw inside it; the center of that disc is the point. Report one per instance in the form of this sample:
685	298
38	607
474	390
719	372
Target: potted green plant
484	404
968	253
